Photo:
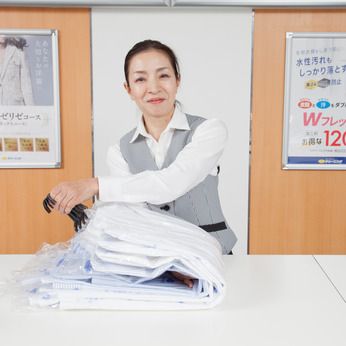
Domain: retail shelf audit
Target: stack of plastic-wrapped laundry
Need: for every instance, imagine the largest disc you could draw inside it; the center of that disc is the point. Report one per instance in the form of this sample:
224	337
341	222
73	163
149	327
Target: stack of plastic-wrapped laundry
123	259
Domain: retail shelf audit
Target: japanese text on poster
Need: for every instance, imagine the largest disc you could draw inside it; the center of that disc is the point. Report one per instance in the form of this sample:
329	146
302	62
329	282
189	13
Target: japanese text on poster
29	100
315	101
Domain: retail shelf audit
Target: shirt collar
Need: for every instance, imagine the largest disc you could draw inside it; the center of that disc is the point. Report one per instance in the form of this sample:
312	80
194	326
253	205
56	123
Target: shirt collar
178	122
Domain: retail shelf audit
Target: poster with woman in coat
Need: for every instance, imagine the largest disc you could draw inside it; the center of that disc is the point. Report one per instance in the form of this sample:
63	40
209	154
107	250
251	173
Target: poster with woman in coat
29	99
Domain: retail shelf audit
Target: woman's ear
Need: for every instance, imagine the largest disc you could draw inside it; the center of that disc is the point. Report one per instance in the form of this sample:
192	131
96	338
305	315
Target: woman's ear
128	89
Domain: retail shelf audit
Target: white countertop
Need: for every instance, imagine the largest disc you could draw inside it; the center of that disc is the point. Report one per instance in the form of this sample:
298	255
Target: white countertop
335	269
271	300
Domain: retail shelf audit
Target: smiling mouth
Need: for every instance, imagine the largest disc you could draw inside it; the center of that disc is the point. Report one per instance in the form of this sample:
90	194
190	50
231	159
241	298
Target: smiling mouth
156	101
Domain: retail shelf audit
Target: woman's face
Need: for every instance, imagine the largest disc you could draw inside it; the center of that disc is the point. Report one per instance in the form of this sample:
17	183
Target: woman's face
152	83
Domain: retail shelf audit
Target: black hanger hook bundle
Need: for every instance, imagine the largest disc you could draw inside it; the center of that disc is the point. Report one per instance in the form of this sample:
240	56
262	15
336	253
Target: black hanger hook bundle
77	213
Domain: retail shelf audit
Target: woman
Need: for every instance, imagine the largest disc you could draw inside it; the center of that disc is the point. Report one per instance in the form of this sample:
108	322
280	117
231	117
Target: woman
15	81
170	160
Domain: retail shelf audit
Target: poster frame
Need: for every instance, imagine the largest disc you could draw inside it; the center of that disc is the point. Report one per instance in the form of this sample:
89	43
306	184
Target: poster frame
290	36
56	161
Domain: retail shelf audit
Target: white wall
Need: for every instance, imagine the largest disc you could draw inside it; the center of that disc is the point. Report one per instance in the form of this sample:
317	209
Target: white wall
214	50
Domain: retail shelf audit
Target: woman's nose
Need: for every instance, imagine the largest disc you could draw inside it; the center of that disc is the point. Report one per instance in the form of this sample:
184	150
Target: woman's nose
153	85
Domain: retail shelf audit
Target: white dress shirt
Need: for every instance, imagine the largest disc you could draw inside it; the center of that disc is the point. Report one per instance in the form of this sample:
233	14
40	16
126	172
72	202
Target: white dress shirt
195	161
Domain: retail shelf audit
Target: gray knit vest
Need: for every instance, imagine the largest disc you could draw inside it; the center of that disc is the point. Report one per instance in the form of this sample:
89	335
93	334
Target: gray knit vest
201	205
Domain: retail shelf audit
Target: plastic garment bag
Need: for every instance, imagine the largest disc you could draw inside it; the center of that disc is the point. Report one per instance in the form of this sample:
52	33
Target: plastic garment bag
122	260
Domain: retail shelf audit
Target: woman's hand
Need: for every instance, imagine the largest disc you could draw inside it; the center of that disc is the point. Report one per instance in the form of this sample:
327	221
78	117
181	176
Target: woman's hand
70	193
187	280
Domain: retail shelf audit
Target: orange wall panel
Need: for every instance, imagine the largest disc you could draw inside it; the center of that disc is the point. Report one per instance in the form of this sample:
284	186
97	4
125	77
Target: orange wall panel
291	212
24	223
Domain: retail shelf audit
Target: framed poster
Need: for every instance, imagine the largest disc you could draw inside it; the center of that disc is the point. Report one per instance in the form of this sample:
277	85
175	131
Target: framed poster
314	135
29	99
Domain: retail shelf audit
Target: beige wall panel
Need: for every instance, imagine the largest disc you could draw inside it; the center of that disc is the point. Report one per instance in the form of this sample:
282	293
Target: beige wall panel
24	223
290	211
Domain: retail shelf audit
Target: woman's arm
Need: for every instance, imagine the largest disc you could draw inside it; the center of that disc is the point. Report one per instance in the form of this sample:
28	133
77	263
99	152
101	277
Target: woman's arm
67	194
191	166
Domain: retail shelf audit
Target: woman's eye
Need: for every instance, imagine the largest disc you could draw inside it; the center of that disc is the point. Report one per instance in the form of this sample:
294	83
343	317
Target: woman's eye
140	79
164	76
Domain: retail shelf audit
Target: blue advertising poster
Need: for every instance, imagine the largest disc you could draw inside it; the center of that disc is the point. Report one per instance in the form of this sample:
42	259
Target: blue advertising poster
315	101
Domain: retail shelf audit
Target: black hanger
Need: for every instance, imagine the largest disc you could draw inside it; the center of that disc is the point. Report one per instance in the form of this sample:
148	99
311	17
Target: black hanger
77	213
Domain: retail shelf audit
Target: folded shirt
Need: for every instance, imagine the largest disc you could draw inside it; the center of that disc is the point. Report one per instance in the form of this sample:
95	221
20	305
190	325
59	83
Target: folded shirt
123	259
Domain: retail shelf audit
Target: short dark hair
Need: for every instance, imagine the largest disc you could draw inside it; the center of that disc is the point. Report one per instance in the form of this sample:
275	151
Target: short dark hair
18	42
146	45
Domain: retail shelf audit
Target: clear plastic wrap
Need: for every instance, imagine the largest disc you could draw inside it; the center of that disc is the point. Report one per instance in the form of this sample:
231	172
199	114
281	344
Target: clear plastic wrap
122	259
